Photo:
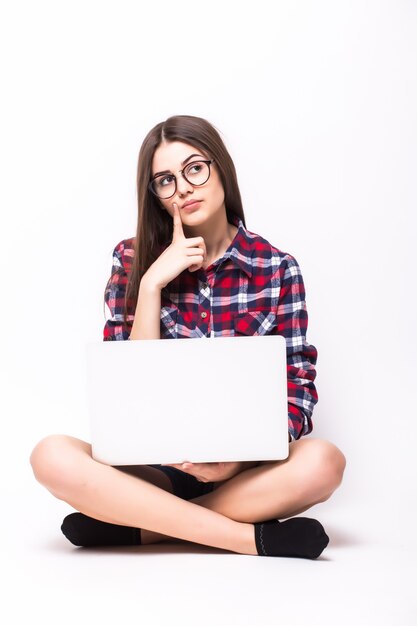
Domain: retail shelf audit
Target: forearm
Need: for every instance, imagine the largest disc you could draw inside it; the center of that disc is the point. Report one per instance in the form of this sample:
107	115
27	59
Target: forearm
146	324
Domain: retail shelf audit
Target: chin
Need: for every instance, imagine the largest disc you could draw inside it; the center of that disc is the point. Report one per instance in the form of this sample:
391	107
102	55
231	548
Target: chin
199	214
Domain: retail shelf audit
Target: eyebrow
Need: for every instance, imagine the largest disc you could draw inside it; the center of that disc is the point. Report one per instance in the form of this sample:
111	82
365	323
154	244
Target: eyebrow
182	165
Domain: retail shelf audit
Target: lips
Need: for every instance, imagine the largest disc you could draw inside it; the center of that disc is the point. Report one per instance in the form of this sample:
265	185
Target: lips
190	204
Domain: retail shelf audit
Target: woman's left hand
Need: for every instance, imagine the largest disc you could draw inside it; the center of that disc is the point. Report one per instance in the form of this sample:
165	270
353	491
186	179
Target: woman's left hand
208	472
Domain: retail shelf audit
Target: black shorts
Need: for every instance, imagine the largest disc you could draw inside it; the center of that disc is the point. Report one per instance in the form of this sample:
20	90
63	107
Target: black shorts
185	485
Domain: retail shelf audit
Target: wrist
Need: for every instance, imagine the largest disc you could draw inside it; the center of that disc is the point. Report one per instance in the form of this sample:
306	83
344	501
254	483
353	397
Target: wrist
146	284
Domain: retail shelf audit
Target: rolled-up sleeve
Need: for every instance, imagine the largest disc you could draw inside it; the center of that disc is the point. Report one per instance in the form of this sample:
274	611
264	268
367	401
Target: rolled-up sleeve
115	329
292	320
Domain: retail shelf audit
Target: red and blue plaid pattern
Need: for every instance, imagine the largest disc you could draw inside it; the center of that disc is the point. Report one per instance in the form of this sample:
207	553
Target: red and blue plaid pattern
254	289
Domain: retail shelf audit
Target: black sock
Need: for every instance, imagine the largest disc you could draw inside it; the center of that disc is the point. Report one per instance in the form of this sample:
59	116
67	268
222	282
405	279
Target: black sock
299	536
82	530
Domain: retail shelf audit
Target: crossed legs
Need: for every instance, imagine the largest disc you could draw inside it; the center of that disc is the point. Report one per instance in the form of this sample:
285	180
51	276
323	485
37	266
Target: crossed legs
223	518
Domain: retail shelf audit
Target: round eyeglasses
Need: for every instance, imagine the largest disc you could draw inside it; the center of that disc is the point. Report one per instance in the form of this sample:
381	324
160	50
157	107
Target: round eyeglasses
196	173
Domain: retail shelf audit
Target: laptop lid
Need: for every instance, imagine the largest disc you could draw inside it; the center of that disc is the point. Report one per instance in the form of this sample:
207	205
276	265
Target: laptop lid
200	400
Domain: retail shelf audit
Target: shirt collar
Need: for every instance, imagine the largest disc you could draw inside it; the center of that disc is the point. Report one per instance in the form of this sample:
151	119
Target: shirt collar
241	248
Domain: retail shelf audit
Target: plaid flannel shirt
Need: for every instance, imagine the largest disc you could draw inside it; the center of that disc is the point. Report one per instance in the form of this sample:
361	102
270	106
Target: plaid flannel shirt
253	289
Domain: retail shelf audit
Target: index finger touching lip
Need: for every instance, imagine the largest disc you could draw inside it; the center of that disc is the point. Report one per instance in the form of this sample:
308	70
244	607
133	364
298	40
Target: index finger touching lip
177	221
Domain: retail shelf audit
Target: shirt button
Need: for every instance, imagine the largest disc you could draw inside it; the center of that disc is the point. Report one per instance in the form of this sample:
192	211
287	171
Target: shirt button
204	315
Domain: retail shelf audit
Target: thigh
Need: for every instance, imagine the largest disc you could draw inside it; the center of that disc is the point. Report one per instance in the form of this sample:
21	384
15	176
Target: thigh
151	473
54	453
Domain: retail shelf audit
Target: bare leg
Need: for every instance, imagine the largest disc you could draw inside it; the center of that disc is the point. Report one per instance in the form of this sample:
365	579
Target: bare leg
65	467
276	489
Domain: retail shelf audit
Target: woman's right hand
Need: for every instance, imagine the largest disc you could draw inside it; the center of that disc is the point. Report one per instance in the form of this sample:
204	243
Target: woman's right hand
182	253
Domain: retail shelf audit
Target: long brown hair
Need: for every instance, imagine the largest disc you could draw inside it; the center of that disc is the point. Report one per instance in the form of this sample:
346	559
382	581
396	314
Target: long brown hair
154	226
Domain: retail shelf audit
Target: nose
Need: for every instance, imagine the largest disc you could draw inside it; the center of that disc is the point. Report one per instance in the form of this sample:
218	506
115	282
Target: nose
183	186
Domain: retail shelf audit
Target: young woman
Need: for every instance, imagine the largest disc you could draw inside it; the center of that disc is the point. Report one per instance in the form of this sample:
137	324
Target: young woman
195	271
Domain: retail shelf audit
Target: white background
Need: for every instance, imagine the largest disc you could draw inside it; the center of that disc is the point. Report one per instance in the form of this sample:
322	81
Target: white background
316	102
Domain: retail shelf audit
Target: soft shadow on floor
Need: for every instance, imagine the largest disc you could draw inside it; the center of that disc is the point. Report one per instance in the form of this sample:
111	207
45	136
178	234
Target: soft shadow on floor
165	547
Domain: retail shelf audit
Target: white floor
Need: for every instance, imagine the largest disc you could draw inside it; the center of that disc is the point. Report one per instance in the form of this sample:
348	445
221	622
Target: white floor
365	576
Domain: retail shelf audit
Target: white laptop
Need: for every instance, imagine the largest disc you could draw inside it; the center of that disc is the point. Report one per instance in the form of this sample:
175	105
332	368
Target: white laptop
202	400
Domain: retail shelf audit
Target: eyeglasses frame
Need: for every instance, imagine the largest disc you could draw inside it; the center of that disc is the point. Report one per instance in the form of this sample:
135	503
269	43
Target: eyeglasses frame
208	162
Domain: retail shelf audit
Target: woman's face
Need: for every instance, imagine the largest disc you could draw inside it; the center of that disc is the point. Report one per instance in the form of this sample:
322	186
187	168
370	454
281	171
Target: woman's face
171	157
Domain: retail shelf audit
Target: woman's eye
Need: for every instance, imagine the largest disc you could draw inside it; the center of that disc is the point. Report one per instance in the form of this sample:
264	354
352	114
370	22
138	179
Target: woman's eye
194	168
167	180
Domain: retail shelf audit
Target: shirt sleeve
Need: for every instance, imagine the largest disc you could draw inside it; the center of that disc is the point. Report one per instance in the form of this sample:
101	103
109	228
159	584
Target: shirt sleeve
301	356
115	329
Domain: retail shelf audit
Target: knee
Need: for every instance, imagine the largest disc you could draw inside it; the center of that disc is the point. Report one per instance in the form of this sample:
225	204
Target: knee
325	468
51	463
